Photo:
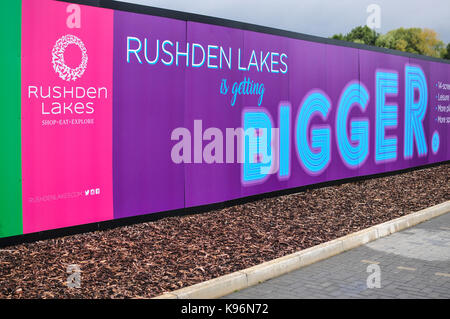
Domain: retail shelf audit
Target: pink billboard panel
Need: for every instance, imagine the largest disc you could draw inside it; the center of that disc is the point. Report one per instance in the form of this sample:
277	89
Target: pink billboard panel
66	114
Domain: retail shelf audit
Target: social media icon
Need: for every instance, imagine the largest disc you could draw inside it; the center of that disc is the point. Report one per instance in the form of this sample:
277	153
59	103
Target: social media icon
92	191
86	192
97	191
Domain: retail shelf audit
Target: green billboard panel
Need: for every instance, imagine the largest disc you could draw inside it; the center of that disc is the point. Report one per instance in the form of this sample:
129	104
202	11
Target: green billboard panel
10	137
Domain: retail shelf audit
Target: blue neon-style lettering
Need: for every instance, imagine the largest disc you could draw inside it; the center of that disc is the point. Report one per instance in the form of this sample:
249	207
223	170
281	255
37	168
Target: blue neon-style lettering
135	51
264	61
156	54
167	52
211	56
386	116
253	61
317	158
284	71
178	53
285	139
415	111
257	146
197	65
353	151
239	61
273	62
227	60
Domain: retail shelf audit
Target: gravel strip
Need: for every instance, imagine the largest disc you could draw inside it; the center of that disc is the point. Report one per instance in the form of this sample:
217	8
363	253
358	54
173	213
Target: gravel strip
145	260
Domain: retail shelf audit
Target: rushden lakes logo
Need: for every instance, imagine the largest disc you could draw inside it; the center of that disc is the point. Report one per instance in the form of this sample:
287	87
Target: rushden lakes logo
61	68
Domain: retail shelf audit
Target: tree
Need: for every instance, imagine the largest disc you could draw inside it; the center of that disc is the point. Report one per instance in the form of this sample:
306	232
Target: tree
338	37
360	34
446	53
413	40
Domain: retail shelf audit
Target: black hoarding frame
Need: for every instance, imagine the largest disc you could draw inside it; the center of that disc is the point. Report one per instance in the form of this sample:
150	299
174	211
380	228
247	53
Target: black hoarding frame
114	223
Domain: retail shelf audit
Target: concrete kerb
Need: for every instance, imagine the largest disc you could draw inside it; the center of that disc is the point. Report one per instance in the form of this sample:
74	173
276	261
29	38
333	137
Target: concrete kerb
230	283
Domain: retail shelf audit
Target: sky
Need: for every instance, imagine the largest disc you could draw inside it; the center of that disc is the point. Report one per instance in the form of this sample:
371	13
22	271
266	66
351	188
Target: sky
320	17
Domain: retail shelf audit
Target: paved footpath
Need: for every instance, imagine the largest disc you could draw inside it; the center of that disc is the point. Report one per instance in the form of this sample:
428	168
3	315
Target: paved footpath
413	263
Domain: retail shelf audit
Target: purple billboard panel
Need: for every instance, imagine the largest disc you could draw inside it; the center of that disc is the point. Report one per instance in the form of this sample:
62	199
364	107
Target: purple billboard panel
212	176
437	115
387	105
148	103
205	113
342	81
267	67
242	71
307	74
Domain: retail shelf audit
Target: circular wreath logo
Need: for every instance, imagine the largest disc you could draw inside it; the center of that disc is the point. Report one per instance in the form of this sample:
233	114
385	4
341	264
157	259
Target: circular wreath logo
65	72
